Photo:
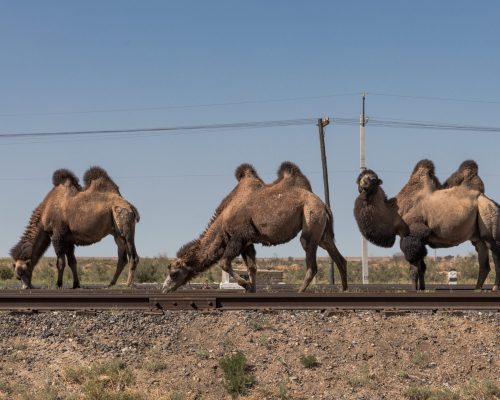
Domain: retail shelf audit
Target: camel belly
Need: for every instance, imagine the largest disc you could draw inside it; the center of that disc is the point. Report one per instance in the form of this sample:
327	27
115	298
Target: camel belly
453	227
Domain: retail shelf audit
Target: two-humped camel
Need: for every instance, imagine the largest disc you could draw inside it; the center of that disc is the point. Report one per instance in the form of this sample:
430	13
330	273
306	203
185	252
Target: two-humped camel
70	215
258	213
424	213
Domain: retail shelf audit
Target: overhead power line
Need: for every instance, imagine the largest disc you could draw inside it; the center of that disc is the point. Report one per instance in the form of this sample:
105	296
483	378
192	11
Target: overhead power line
196	129
455	99
172	130
183	106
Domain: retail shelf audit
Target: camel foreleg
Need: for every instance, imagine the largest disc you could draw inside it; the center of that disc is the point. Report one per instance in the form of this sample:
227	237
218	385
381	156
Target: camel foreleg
248	255
70	255
226	266
60	248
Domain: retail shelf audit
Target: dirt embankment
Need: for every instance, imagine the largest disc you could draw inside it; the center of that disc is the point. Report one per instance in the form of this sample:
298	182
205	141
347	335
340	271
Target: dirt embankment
370	356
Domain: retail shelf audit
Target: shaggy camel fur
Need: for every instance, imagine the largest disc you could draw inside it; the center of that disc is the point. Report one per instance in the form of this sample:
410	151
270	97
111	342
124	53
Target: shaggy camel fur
439	218
71	215
377	217
271	215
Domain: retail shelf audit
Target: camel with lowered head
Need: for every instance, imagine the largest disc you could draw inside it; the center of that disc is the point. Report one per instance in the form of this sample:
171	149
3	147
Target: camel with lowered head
70	215
434	216
269	214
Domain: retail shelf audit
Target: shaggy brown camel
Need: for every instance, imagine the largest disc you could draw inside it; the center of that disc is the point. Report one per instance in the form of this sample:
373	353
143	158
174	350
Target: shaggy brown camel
248	181
71	215
271	215
439	218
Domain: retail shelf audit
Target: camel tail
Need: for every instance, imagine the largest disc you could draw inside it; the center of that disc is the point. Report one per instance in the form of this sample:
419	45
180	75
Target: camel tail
136	212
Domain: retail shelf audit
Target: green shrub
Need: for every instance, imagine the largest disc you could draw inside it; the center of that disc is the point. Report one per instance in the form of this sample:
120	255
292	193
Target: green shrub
238	380
422	393
308	361
6	273
106	381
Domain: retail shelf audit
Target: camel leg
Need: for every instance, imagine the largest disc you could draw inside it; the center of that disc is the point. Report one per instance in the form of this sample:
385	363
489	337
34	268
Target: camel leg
414	275
328	244
70	255
312	268
421	274
133	259
248	255
61	264
226	266
122	259
495	252
484	262
60	250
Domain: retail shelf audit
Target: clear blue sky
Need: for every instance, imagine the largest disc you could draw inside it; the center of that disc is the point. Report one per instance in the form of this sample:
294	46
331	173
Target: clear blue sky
61	59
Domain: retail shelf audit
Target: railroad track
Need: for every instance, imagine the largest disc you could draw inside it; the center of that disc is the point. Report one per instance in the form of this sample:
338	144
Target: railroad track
154	300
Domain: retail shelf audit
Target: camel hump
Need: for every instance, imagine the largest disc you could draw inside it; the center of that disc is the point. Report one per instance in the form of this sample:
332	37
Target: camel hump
62	175
245	171
425	164
466	175
97	173
288	169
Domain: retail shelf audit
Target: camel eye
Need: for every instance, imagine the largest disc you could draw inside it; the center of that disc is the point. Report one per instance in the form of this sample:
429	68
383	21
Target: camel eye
173	274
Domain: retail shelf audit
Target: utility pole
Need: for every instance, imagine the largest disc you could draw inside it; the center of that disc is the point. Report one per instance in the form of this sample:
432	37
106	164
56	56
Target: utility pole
322	122
362	166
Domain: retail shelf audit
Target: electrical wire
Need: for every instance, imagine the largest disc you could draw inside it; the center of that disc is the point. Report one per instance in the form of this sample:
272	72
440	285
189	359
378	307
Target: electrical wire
185	106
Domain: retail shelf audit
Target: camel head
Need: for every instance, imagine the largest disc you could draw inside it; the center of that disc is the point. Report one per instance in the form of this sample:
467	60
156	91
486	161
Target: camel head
178	274
368	181
23	270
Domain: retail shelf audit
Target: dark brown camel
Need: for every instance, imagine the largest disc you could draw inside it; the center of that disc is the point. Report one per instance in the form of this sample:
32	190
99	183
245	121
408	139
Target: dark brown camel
437	217
71	215
271	215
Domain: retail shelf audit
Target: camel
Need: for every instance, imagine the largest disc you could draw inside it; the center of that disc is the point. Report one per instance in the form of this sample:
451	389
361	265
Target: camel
269	214
70	216
434	216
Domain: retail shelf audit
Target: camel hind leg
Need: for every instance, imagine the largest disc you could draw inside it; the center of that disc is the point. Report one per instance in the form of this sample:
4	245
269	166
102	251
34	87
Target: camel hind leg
484	262
495	252
125	219
248	255
122	259
328	243
310	247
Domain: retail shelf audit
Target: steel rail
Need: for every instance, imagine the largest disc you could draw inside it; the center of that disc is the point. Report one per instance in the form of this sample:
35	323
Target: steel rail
229	300
275	287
